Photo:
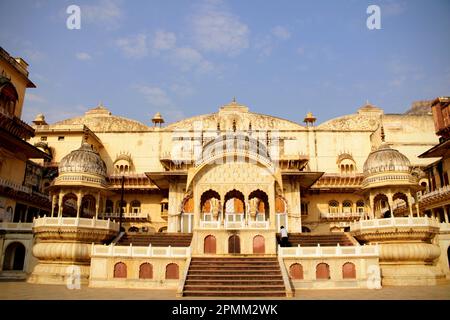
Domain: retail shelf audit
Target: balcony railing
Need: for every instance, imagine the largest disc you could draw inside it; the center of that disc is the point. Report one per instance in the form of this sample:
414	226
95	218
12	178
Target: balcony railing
234	224
75	222
16	226
139	252
394	222
436	193
324	252
136	215
341	215
15	186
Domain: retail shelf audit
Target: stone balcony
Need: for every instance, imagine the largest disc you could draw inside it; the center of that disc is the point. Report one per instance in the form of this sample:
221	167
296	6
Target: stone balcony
341	216
127	215
16	226
435	196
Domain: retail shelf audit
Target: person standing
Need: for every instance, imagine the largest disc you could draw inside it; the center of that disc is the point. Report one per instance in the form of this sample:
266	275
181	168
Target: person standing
284	237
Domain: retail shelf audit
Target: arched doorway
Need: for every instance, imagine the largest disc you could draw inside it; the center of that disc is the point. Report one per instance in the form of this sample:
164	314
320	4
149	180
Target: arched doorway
234	244
210	245
259	245
259	205
14	257
234	208
87	206
69	205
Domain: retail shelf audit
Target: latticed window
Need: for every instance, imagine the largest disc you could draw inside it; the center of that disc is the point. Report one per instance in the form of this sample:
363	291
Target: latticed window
333	206
360	206
347	206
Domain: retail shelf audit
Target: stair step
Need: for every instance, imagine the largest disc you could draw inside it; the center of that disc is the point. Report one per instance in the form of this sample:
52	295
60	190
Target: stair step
234	288
234	294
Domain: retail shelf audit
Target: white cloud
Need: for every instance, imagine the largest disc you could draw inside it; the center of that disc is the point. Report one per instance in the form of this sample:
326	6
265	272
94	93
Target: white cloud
300	50
182	90
31	97
83	56
188	59
155	96
133	46
216	29
32	55
164	40
393	8
281	33
107	13
160	101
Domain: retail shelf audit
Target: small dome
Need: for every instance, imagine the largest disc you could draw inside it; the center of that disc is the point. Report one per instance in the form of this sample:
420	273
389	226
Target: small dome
386	159
83	160
157	118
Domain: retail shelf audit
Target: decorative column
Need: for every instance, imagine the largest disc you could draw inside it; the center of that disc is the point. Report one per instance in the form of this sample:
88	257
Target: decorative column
271	196
416	198
60	203
97	205
445	214
79	203
53	204
391	203
371	206
410	205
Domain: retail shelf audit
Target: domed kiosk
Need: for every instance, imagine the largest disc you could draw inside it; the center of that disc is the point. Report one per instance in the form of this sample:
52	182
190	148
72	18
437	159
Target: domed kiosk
64	240
408	255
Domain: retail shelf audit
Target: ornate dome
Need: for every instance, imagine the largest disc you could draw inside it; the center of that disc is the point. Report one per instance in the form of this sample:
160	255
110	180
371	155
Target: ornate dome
83	160
386	159
100	119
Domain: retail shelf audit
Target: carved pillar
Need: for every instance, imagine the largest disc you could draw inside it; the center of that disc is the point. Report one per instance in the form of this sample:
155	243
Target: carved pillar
446	214
97	205
371	206
60	204
410	205
391	203
416	199
54	199
79	203
271	196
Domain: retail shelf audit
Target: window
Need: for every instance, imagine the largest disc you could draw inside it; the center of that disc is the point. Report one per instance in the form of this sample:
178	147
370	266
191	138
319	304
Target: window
61	138
43	138
304	208
360	206
347	206
333	206
135	206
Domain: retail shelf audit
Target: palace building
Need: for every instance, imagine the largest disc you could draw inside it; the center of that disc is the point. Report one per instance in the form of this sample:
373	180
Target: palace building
197	205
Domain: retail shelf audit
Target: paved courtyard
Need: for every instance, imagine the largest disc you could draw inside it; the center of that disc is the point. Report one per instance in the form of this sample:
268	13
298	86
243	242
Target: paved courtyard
25	291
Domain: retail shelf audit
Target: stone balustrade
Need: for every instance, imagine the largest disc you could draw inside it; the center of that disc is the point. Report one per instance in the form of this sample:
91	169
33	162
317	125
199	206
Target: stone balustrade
75	222
342	215
16	226
394	222
327	252
139	252
435	193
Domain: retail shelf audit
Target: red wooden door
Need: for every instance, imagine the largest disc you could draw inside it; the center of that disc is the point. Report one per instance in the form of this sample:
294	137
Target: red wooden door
234	244
210	245
259	245
120	270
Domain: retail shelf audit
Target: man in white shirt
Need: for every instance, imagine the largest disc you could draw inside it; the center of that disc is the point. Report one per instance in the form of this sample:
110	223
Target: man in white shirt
284	237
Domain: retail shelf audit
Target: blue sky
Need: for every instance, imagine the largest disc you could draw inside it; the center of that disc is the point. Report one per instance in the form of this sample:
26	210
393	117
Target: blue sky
184	58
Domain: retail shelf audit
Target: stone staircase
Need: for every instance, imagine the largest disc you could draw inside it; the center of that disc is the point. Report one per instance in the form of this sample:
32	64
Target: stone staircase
234	277
157	239
325	240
